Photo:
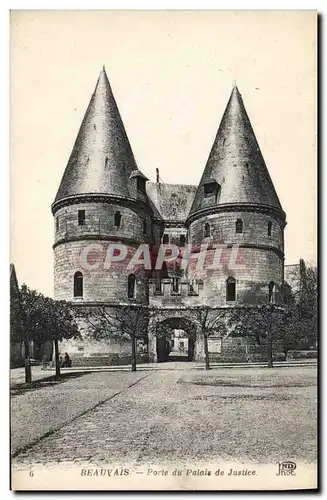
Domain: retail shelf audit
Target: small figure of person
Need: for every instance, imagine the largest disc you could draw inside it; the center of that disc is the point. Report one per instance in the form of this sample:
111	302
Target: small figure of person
67	361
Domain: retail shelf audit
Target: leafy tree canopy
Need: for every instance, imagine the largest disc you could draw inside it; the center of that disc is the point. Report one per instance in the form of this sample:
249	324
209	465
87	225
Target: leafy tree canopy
43	318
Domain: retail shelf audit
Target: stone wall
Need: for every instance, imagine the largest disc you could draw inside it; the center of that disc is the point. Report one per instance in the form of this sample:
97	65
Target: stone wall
99	284
259	261
84	248
253	257
255	230
99	220
111	346
188	292
257	268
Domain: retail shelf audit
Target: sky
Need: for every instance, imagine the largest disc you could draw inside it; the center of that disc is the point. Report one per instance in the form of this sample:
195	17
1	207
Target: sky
172	73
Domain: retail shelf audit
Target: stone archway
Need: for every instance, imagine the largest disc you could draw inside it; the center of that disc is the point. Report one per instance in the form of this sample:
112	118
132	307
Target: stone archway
163	329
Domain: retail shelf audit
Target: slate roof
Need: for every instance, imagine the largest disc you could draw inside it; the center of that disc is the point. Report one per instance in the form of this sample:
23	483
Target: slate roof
102	160
236	163
173	201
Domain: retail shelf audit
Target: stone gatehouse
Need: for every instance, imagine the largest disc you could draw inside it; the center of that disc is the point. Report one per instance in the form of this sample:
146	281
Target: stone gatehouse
229	228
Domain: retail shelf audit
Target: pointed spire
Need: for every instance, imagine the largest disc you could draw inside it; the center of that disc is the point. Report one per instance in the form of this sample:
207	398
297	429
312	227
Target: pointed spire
102	160
236	164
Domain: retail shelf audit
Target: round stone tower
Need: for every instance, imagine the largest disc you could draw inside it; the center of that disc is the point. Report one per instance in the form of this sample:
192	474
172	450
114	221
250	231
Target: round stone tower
236	211
101	203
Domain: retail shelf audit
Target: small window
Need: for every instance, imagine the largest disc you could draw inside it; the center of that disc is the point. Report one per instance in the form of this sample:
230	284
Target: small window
57	223
209	189
81	217
78	284
230	290
269	228
175	285
165	238
271	288
207	230
131	286
117	219
182	240
145	226
140	185
239	226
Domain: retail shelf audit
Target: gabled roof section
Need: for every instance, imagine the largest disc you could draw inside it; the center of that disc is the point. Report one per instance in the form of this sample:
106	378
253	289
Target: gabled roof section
138	173
173	201
102	160
236	164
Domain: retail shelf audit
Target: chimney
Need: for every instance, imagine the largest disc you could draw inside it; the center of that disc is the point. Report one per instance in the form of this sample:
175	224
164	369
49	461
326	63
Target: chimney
157	175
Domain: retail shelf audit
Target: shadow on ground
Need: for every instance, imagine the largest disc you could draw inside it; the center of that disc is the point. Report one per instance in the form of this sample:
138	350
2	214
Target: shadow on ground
24	387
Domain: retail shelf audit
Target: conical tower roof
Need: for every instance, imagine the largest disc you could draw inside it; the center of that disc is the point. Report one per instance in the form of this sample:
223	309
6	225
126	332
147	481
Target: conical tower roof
236	164
102	160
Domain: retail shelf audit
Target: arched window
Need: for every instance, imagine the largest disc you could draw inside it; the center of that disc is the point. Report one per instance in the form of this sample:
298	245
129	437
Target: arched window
269	228
230	290
207	230
271	288
117	219
57	223
239	226
144	226
165	239
78	284
131	286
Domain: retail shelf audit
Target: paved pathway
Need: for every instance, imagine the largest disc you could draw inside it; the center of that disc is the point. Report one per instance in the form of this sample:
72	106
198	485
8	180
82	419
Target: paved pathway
240	414
37	413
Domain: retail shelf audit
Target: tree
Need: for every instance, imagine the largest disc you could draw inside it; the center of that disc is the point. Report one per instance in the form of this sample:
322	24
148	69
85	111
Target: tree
210	321
58	323
16	316
30	315
263	322
45	319
288	334
125	321
306	313
299	329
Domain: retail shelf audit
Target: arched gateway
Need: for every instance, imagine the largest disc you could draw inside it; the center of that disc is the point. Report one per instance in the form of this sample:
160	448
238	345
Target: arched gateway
173	336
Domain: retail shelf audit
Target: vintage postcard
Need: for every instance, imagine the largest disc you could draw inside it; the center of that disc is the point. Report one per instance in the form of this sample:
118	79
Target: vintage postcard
163	273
